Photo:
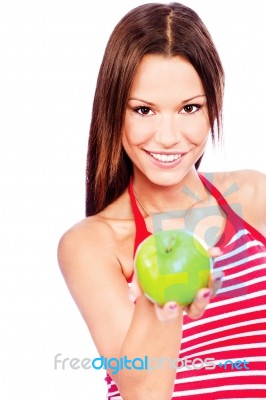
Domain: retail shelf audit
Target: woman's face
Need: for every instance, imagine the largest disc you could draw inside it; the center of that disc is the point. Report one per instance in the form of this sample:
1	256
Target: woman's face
166	123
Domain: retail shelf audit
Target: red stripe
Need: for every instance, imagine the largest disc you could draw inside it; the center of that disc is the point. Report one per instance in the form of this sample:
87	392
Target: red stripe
248	349
226	394
236	306
246	340
192	373
242	291
234	331
242	266
113	389
246	252
223	381
238	353
240	241
245	237
235	319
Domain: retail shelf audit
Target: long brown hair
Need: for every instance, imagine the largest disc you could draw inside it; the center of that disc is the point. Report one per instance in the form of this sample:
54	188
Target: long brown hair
154	28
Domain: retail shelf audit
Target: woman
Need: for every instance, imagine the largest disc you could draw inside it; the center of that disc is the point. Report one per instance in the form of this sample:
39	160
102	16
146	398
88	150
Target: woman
158	98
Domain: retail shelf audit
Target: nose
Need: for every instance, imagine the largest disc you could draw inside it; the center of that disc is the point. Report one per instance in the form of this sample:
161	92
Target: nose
167	132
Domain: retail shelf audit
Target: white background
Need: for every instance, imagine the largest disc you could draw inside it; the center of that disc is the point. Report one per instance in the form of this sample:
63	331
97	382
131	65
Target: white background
50	52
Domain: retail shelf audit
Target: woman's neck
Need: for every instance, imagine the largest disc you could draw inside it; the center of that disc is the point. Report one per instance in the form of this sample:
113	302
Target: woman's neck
154	197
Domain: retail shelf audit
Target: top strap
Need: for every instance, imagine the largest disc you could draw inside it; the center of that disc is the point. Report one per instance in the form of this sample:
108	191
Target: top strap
232	216
141	229
234	221
220	199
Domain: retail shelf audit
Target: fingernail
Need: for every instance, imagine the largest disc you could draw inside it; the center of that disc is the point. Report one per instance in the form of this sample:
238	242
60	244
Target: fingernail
172	307
207	294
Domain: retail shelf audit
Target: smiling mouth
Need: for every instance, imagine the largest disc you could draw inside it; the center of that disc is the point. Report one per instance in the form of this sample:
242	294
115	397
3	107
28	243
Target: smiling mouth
166	158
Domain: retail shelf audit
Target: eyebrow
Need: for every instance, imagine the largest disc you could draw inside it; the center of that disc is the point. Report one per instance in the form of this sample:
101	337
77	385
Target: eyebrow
183	102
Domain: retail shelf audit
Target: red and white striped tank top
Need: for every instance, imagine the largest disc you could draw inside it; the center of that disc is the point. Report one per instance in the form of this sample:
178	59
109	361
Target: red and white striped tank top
233	327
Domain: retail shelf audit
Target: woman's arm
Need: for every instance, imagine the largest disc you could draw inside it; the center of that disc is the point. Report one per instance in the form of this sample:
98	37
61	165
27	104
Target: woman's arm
119	328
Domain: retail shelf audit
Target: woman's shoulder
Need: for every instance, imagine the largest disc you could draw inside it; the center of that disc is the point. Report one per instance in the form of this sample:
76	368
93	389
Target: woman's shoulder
81	241
85	231
238	181
108	232
241	174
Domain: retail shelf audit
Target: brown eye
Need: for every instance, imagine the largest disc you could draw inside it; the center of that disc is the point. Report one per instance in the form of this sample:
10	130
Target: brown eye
191	108
143	110
188	109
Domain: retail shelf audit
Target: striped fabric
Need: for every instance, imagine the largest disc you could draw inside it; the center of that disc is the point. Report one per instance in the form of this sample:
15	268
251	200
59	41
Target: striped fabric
233	326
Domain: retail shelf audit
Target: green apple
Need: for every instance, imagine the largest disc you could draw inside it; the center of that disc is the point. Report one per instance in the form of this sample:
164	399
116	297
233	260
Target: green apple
172	266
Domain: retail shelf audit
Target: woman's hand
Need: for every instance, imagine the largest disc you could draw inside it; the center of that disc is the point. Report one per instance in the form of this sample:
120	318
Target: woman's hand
195	310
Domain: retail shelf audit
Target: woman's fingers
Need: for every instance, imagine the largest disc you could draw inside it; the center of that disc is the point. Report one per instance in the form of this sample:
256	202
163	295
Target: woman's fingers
201	301
168	312
215	252
216	281
196	309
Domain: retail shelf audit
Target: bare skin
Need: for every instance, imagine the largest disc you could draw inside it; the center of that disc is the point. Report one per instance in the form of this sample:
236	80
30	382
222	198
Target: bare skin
96	255
97	282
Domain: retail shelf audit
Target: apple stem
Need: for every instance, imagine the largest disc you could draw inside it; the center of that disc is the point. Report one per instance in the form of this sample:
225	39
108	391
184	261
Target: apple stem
170	245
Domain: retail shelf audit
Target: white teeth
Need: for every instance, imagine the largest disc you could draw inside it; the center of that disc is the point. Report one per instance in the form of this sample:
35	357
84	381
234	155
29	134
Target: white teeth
166	158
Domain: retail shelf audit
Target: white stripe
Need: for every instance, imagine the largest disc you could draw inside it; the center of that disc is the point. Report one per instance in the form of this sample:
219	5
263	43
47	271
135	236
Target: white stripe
247	346
243	261
222	388
241	285
116	393
245	271
247	245
237	299
238	235
220	375
203	321
222	329
116	398
207	377
250	359
220	339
